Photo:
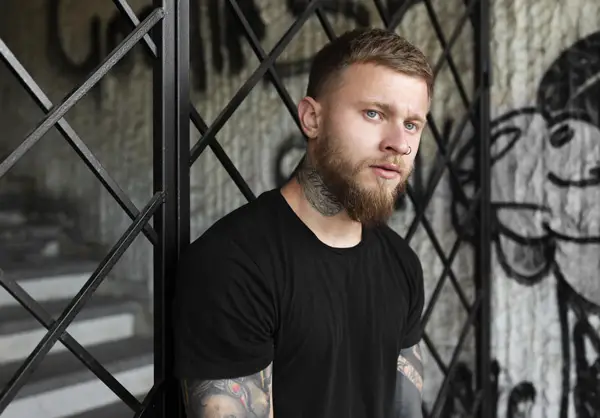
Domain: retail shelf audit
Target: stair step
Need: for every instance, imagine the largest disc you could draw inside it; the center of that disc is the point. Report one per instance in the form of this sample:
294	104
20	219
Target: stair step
30	250
64	369
12	217
52	280
63	387
19	241
9	235
102	319
14	200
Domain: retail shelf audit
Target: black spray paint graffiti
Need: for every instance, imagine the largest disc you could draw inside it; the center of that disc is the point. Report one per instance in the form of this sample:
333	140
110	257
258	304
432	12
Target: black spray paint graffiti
104	40
225	45
462	399
546	204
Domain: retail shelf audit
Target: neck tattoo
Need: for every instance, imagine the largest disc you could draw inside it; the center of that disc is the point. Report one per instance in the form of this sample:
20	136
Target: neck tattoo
316	192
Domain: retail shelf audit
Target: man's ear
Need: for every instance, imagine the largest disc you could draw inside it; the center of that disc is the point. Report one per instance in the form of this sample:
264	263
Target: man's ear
309	114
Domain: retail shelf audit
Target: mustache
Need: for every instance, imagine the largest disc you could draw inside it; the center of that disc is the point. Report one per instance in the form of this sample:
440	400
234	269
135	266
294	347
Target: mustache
397	161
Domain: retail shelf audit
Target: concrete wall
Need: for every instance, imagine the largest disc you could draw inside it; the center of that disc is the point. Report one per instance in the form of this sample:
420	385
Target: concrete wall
534	281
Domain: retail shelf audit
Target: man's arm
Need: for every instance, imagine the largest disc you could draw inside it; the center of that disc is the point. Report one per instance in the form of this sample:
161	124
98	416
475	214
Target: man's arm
249	396
409	383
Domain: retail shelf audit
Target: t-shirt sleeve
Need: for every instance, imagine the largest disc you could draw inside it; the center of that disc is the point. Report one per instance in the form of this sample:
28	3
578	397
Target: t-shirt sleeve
414	326
224	315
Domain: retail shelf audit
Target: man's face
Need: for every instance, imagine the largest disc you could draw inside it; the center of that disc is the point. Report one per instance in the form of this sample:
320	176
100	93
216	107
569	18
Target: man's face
367	123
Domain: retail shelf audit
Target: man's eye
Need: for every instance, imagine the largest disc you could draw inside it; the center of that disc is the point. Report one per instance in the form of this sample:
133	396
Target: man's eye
411	126
372	114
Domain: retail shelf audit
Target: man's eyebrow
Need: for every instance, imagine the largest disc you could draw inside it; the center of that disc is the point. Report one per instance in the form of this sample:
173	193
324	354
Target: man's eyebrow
381	105
418	118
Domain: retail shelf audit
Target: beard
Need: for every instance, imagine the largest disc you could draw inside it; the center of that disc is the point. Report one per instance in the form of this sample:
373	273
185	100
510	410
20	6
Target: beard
367	205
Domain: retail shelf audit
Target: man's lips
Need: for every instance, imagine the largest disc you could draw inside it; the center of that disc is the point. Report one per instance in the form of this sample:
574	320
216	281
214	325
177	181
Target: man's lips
388	167
387	171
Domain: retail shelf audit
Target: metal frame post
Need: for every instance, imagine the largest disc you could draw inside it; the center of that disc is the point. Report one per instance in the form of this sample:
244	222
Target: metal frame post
171	174
483	251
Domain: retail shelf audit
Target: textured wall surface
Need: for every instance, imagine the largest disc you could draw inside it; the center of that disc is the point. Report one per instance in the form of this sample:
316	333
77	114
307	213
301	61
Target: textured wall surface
535	280
546	186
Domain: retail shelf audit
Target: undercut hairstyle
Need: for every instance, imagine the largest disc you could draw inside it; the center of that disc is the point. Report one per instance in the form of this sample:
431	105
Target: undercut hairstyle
367	45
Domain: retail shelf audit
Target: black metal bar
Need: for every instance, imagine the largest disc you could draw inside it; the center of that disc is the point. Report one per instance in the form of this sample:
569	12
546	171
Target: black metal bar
454	36
247	87
61	109
171	174
60	325
442	39
131	17
447	262
391	23
325	24
262	55
435	354
452	365
440	284
436	293
148	404
483	180
383	13
436	177
233	172
447	272
34	308
439	140
184	103
222	156
399	14
82	150
475	406
195	116
440	363
447	266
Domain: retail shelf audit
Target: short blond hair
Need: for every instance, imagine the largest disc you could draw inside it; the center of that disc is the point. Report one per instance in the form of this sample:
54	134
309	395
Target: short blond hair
367	45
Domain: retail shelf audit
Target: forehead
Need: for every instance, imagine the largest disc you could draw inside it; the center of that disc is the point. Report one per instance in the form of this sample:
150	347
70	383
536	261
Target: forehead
360	83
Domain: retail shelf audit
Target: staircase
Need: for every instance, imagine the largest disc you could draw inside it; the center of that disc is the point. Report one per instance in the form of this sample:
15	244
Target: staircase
40	251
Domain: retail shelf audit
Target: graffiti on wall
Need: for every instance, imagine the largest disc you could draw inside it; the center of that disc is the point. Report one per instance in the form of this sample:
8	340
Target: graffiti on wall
546	205
225	47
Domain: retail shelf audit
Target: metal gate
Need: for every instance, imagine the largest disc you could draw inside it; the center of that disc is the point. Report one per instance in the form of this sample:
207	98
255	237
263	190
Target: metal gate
165	33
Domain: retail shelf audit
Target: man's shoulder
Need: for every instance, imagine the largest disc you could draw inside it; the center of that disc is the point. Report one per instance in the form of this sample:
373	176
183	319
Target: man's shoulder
394	239
231	254
245	229
400	247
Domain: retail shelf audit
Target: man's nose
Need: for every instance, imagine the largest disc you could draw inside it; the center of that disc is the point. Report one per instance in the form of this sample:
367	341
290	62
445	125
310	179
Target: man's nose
395	141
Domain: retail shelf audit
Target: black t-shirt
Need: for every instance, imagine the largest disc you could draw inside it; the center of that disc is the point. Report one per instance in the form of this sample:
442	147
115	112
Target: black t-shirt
259	287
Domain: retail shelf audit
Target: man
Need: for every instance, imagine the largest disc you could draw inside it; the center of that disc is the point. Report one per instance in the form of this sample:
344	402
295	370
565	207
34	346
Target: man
304	303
